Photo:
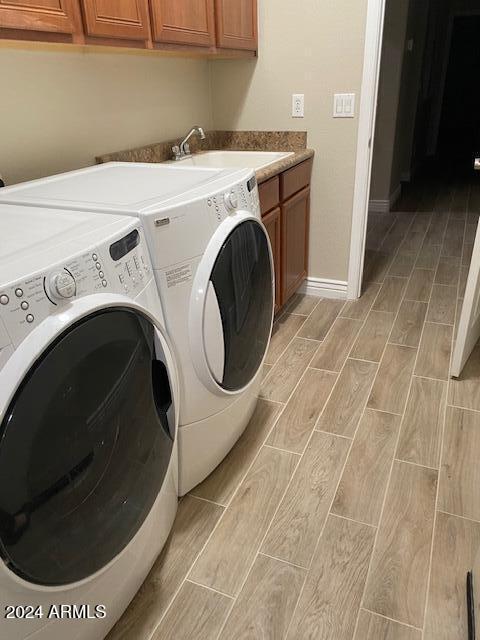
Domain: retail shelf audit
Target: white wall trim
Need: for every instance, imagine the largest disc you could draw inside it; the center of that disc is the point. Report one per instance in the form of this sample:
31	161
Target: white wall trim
324	288
366	131
379	206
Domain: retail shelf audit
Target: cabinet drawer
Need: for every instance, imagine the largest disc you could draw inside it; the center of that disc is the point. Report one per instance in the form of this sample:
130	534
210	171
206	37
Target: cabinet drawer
269	193
295	179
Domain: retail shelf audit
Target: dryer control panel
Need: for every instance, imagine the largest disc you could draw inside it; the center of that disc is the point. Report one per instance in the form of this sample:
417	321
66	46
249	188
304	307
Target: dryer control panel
242	196
121	265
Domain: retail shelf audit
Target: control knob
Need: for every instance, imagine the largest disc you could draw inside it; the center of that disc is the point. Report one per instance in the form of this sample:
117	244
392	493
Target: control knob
231	201
62	285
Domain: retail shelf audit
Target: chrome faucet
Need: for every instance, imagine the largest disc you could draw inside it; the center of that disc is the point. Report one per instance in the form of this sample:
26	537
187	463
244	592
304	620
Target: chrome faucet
183	150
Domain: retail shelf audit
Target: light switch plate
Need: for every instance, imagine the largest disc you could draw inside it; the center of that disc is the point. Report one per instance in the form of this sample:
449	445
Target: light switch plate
298	105
344	105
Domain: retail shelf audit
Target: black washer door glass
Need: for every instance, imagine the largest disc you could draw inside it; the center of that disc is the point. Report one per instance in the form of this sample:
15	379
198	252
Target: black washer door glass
84	449
242	279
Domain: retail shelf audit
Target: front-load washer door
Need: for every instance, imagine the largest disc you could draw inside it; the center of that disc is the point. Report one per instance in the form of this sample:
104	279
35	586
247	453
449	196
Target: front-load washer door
237	305
84	448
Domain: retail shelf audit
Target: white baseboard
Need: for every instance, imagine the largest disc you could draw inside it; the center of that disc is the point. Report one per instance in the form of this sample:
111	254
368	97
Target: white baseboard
385	206
379	206
323	288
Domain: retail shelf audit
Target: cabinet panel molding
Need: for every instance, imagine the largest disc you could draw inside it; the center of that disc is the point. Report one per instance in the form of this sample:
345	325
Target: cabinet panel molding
295	232
237	24
127	20
184	21
57	16
272	222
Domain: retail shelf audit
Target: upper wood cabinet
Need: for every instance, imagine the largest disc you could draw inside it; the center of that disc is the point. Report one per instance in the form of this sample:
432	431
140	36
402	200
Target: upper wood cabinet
237	24
57	16
184	22
223	28
127	19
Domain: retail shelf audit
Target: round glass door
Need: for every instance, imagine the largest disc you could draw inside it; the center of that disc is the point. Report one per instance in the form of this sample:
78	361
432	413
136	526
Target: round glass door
84	449
242	280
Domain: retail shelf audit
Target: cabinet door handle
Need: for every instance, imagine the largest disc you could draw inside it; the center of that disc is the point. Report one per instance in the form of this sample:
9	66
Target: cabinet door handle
477	164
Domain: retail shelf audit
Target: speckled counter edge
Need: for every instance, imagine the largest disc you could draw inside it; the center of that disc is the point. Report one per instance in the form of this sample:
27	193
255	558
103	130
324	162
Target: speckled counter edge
284	164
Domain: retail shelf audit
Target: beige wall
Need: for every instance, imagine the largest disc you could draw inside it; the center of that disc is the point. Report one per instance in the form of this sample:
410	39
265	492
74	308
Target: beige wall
316	48
61	107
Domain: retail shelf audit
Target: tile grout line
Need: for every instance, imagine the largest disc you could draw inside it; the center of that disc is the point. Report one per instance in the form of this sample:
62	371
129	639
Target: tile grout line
442	439
204	586
415	464
186	577
291	564
403	624
345	461
340	474
300	456
387	486
457	515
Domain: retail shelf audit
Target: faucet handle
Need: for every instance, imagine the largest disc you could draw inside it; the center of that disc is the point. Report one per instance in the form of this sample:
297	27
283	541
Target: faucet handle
176	152
186	147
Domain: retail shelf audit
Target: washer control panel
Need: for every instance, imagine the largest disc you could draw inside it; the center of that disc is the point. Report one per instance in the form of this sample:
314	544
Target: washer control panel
109	268
241	196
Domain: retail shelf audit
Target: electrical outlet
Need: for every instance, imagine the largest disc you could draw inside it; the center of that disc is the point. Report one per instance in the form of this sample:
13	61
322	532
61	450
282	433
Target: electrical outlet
298	105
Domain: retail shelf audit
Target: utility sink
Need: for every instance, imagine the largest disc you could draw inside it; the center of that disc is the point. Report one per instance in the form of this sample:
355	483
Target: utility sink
228	159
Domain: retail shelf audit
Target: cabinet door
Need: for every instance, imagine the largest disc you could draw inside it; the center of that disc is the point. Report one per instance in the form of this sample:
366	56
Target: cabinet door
272	223
295	225
184	21
112	19
236	24
39	15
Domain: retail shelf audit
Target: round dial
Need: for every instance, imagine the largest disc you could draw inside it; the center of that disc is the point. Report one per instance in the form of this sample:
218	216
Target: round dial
62	285
231	200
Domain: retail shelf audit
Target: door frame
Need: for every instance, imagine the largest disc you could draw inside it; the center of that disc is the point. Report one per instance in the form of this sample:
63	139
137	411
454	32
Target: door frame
365	139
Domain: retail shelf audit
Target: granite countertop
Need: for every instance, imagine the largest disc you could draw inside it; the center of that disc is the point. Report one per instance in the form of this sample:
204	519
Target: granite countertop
295	141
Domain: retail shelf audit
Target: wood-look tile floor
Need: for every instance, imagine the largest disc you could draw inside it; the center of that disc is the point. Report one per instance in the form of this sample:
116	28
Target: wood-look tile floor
350	507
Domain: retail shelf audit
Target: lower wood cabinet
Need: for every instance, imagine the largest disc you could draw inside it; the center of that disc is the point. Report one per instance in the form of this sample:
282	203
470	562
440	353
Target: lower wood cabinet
295	226
285	206
272	222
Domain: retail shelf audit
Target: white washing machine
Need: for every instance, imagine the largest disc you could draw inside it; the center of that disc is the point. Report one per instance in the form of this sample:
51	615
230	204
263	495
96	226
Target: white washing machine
214	270
88	415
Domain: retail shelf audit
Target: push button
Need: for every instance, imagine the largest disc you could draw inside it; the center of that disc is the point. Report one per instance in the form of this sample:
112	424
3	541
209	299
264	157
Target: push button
30	318
24	305
4	299
19	292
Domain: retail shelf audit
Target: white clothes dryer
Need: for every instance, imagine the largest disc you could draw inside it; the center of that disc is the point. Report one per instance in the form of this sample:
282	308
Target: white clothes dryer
214	271
88	419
